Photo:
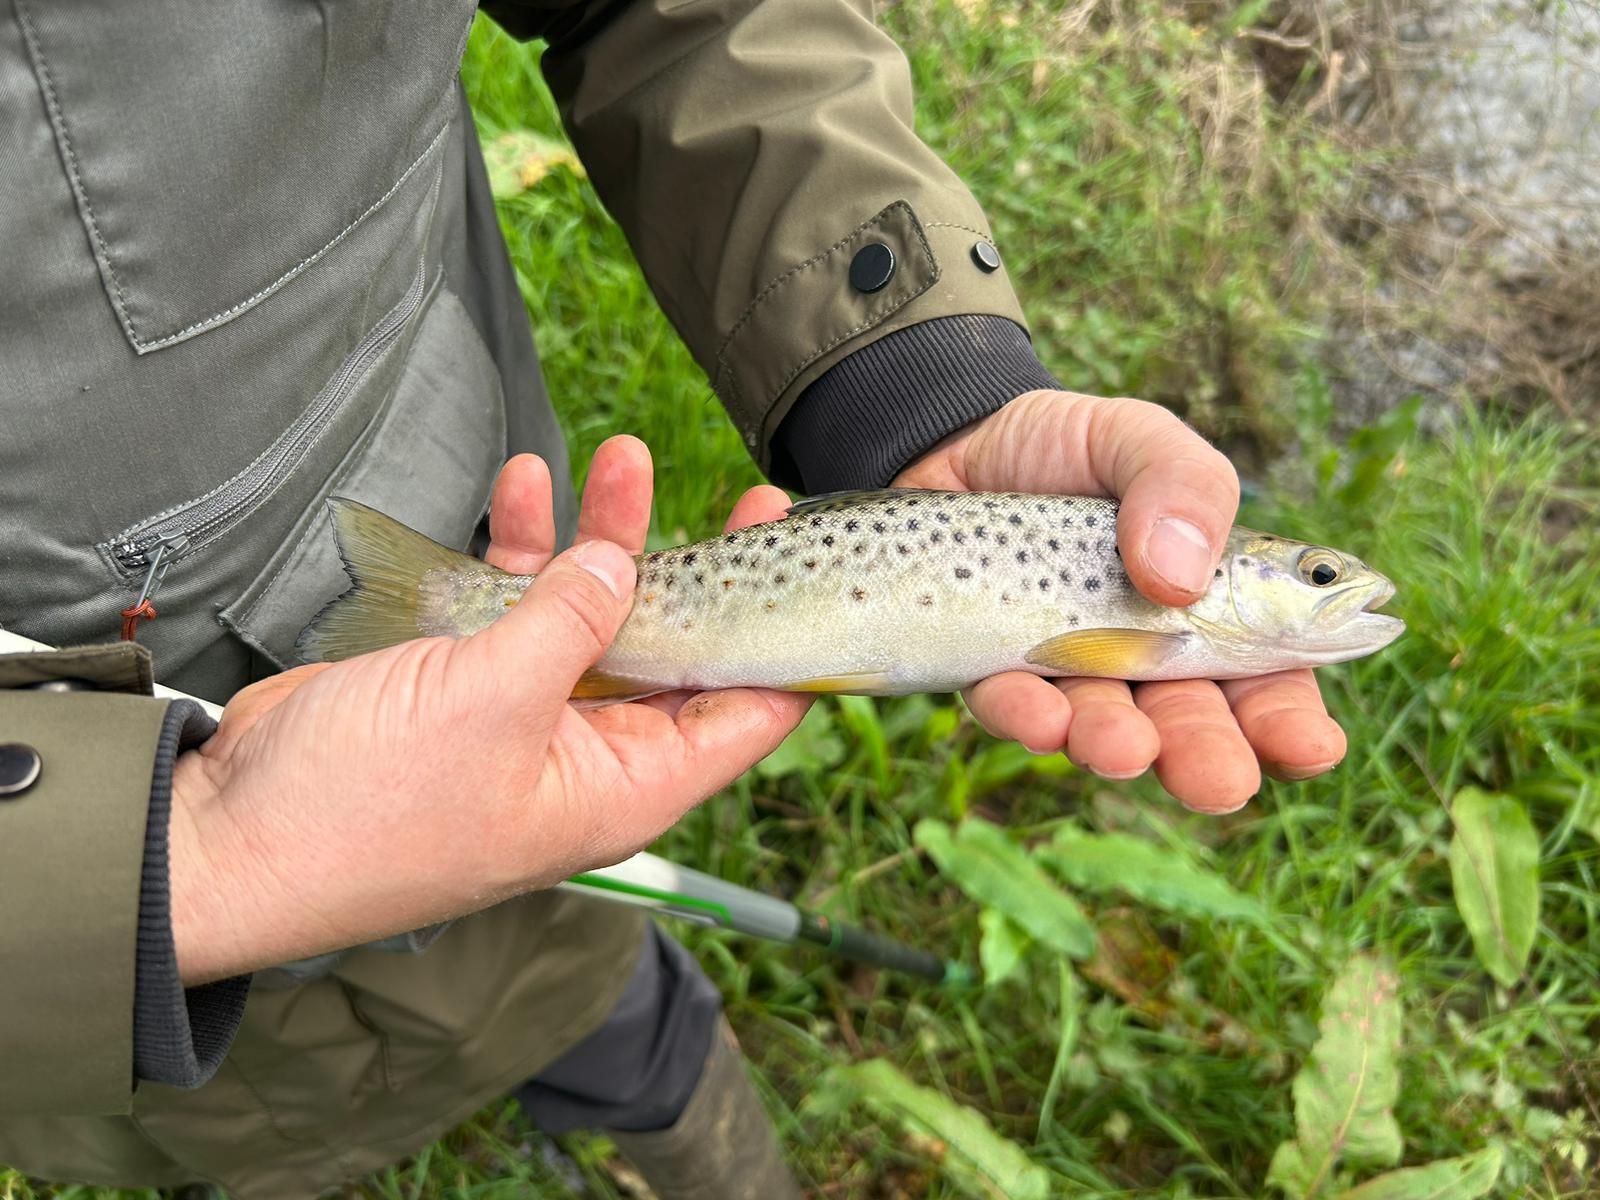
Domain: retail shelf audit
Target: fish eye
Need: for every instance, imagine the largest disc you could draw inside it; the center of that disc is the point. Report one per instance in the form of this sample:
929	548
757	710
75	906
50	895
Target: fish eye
1319	568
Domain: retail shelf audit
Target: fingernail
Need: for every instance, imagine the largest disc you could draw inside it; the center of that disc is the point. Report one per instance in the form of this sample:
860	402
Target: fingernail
1180	554
609	563
1118	776
1298	774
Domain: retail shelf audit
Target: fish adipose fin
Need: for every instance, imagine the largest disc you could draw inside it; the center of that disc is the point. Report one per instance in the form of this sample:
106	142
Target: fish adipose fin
1106	653
830	501
386	562
862	683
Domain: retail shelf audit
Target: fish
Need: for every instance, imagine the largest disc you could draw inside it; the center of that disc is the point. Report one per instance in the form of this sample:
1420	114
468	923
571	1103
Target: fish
884	593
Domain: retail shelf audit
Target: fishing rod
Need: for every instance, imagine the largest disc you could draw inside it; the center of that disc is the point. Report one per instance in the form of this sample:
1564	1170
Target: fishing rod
668	889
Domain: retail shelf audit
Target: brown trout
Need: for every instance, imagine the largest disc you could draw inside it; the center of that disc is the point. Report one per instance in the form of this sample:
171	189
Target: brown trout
889	592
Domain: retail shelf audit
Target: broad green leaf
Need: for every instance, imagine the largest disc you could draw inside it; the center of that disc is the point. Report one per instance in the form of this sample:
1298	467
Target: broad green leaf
814	746
1463	1178
1147	872
1001	947
1345	1094
991	868
1494	871
979	1158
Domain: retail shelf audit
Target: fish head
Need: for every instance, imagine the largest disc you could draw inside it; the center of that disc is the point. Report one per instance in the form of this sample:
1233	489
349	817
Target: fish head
1278	603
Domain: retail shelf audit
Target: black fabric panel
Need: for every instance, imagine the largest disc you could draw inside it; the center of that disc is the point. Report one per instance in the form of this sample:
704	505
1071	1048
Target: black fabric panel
180	1037
876	411
638	1071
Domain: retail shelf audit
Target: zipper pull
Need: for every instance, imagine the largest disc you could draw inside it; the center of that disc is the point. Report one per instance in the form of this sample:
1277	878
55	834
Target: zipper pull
160	564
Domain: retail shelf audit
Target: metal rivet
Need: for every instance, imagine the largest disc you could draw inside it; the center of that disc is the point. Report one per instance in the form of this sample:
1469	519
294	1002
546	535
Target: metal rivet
19	767
872	267
986	256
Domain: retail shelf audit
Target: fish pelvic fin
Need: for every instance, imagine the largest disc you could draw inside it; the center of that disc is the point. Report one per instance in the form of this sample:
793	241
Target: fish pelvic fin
1106	653
861	683
386	562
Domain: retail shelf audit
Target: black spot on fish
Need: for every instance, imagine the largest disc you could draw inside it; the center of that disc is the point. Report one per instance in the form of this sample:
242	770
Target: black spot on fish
990	505
859	593
942	517
1066	522
726	584
1022	556
811	564
699	576
670	578
1015	518
902	548
827	539
859	548
1044	583
772	540
983	560
913	502
913	525
1091	520
1040	508
1072	619
890	510
1005	598
981	532
1064	577
1083	545
851	526
958	537
1000	539
1054	543
878	527
1091	584
780	577
925	600
737	560
963	572
935	537
730	538
688	559
815	521
1218	575
1117	550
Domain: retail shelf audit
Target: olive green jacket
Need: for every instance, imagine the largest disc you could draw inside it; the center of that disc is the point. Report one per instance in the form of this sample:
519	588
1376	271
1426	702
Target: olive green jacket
248	261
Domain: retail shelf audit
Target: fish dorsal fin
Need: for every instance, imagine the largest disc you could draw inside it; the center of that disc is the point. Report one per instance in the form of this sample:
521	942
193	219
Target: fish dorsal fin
1106	653
833	501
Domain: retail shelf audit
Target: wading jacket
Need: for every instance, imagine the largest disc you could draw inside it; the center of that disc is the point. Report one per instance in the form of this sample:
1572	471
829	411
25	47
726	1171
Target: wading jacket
248	259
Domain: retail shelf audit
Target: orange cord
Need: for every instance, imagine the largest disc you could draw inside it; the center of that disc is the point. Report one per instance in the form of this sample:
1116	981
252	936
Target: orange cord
131	615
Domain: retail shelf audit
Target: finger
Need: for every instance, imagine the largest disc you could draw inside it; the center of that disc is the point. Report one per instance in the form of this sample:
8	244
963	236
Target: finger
522	524
1109	735
677	761
1178	494
249	705
764	503
1204	761
557	630
616	495
1023	708
1285	721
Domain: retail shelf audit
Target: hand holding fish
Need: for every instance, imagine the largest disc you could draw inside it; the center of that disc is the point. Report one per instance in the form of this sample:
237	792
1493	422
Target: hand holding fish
1208	742
385	756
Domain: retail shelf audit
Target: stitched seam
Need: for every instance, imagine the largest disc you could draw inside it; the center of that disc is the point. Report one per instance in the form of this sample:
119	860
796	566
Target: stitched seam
298	268
749	311
957	225
58	121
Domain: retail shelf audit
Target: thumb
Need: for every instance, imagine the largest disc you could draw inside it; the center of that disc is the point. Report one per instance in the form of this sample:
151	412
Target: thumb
1178	500
567	619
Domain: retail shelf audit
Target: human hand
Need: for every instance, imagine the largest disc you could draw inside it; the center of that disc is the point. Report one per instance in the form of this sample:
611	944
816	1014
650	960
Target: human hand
1209	742
342	802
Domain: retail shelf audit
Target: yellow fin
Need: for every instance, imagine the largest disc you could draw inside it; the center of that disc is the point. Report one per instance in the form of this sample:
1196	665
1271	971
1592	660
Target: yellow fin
595	684
1106	653
863	683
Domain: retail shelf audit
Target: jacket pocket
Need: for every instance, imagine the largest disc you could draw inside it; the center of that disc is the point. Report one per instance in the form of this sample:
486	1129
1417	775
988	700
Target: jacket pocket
218	151
429	461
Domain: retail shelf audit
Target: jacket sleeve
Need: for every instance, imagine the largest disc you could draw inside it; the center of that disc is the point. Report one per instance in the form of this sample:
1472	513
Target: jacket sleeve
760	157
75	879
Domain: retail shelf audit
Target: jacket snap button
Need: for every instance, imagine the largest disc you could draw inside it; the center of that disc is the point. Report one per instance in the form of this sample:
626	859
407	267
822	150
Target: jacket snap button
19	767
872	267
986	256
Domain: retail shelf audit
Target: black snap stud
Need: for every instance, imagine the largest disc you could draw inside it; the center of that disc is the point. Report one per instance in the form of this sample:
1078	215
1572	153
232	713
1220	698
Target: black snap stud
19	767
986	256
872	267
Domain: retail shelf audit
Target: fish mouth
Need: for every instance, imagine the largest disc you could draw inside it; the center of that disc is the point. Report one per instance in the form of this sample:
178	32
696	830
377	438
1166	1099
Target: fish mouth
1379	628
1350	615
1382	593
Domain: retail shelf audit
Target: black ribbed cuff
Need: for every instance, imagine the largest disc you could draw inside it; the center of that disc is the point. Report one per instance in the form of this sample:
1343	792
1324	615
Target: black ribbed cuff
180	1036
875	411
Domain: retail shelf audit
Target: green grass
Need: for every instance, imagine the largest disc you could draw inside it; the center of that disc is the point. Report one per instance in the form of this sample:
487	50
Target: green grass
1151	205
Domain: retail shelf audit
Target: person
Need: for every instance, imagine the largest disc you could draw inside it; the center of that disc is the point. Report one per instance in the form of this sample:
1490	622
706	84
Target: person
251	261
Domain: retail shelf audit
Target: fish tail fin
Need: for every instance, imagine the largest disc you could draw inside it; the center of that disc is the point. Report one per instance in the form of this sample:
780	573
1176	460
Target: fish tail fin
386	562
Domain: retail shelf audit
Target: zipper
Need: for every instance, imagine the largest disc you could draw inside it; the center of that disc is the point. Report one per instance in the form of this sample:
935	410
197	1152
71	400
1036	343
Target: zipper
179	532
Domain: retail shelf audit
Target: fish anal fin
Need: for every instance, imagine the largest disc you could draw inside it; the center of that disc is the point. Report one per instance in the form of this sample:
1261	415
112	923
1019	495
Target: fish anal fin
831	501
1106	653
860	683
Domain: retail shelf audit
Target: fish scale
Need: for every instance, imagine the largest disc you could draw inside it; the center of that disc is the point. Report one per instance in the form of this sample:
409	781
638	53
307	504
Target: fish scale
891	592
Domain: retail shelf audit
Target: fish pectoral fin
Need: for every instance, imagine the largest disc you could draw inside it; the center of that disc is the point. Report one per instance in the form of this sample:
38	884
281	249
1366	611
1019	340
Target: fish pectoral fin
1106	653
861	683
830	501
